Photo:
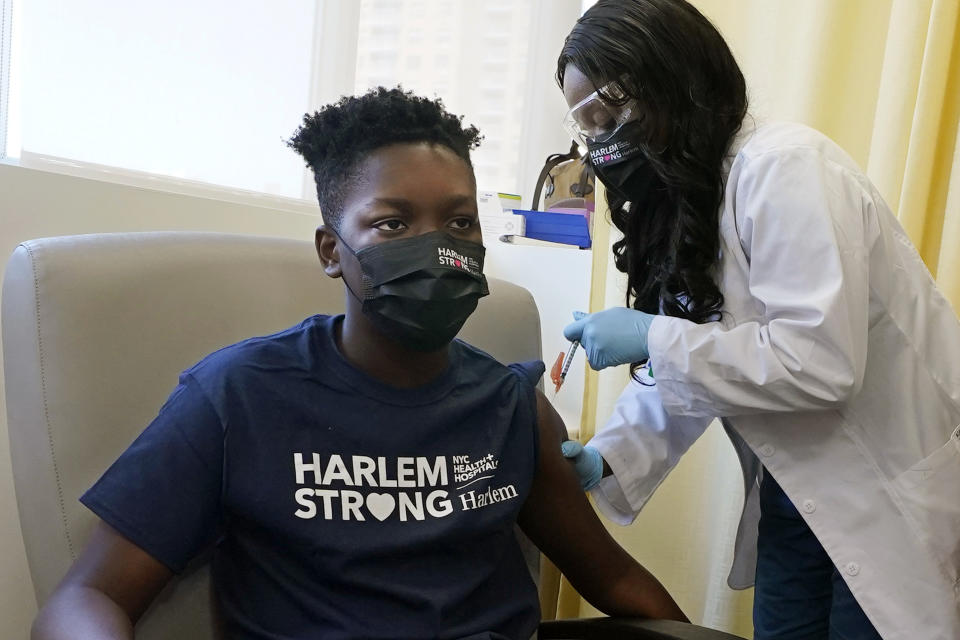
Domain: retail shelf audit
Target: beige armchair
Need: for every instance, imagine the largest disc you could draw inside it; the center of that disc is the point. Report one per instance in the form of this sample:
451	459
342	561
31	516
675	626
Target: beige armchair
95	331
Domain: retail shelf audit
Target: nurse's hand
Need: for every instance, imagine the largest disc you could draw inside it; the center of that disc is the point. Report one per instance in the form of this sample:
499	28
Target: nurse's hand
587	462
612	336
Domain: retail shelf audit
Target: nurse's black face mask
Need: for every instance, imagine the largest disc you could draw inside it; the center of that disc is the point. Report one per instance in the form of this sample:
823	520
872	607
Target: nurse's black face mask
606	122
420	290
622	167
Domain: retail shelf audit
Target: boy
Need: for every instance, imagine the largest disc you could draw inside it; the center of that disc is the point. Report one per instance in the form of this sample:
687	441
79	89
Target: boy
360	475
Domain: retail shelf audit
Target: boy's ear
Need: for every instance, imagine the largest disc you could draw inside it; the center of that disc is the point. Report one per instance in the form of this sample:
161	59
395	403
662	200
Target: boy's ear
328	251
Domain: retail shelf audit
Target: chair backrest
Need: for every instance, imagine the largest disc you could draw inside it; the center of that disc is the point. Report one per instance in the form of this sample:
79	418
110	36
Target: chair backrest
96	329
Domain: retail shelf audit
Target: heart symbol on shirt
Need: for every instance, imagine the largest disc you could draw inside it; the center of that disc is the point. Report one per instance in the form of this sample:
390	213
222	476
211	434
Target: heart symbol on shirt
381	505
458	263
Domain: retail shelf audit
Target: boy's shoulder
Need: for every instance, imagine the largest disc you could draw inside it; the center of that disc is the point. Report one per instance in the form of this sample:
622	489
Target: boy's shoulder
479	363
289	349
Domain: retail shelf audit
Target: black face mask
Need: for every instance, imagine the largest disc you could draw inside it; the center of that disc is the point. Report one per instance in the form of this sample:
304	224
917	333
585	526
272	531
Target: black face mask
623	168
420	290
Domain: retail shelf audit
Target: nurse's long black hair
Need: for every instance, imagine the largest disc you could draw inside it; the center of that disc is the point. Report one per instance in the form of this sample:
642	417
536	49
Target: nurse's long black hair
674	62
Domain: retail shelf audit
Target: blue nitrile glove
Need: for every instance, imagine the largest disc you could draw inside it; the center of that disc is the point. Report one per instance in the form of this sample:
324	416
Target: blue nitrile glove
587	462
612	336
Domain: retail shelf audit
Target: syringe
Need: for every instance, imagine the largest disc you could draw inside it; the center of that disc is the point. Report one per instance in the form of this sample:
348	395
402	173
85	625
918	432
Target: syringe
566	364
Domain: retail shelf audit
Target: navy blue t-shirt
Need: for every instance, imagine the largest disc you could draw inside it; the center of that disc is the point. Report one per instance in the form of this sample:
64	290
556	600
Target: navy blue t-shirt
339	507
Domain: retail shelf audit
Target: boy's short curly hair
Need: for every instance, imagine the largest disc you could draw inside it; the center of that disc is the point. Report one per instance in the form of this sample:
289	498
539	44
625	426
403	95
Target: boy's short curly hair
337	138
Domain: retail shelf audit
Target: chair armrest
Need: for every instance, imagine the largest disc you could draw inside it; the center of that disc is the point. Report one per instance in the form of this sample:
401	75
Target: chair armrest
627	629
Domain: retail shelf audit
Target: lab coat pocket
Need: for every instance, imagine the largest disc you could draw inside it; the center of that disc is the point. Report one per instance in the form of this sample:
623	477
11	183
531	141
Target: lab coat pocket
930	491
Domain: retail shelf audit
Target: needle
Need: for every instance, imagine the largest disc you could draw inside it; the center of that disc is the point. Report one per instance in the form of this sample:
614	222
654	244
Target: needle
559	372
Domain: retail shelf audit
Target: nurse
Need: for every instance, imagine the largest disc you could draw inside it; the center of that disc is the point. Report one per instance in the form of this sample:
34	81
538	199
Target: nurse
770	286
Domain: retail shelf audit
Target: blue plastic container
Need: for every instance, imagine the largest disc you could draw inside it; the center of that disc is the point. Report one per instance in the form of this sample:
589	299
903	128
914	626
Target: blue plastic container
566	228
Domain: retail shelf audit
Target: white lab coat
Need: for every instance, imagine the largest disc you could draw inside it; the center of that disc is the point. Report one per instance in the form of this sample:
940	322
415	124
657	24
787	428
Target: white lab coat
836	365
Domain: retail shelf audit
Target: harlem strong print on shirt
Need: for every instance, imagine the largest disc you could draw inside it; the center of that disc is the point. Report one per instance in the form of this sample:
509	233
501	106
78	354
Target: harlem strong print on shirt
349	489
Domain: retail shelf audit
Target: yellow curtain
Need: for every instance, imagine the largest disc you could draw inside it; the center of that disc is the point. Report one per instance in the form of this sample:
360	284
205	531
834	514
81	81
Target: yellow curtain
882	78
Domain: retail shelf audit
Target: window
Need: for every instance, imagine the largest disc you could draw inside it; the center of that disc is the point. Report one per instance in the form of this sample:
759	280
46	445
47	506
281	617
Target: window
443	53
208	91
199	90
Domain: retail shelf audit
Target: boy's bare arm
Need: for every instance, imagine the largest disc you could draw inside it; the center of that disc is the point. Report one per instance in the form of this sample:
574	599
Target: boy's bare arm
561	522
105	592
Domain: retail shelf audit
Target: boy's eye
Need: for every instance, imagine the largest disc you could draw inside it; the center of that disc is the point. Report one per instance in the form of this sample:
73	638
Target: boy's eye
393	224
462	224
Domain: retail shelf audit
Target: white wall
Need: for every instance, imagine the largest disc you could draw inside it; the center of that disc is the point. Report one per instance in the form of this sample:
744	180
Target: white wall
35	203
558	278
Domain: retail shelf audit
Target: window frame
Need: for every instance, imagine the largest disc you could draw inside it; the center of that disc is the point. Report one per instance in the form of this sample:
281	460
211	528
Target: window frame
6	49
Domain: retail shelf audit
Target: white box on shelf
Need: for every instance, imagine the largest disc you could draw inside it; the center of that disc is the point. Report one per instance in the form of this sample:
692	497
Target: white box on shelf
492	227
497	217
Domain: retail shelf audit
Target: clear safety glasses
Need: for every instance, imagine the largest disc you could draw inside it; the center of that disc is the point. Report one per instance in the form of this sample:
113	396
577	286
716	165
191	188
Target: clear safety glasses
596	119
